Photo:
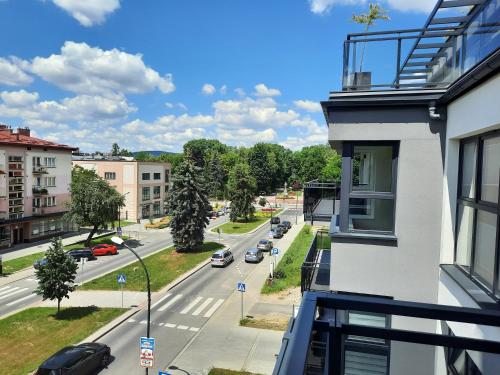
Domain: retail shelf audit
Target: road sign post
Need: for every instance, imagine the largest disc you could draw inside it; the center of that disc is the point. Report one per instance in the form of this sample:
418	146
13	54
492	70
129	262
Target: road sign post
271	269
275	251
119	231
242	289
121	279
82	261
147	346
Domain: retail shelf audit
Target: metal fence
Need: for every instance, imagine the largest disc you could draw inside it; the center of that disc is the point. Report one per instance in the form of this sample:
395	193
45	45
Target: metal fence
315	270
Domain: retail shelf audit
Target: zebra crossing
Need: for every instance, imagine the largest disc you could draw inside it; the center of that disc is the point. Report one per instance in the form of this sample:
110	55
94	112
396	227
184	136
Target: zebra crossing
200	306
7	292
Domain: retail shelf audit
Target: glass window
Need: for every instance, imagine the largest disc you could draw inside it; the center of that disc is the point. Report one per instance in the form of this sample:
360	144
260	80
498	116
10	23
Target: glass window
484	259
156	192
167	175
145	194
468	169
146	176
110	175
371	214
464	235
372	168
490	169
157	176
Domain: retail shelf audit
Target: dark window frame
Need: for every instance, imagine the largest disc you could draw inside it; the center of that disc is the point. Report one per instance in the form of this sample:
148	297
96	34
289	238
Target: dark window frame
477	204
156	176
347	193
146	176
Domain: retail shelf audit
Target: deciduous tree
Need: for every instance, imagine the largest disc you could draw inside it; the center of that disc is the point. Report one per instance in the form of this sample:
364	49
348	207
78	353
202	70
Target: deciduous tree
241	190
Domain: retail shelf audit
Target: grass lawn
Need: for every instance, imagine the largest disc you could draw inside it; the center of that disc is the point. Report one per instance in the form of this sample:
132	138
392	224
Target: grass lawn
164	267
265	323
31	336
290	264
221	371
123	223
240	226
14	265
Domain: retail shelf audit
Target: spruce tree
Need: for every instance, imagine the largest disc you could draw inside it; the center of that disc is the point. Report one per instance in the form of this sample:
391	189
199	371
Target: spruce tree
189	205
57	275
241	190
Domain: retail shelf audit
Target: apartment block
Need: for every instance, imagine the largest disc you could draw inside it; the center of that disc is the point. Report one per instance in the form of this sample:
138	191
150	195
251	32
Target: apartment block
144	184
411	281
34	187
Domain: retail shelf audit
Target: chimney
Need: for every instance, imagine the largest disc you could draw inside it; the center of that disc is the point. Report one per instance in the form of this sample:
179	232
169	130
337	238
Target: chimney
4	129
24	131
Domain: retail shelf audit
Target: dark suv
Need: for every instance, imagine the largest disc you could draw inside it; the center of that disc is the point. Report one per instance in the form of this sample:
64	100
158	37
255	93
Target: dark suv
81	253
275	220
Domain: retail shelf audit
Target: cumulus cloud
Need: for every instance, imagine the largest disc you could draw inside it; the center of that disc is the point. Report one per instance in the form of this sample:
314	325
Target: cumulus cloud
88	12
324	6
263	91
90	70
308	105
11	73
240	92
223	90
208	89
245	137
19	98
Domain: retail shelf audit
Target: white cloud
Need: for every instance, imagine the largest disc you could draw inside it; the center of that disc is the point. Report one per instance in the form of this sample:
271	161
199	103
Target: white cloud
169	105
89	12
182	106
263	91
90	70
247	137
411	5
308	105
11	74
208	89
223	90
324	6
169	123
240	92
19	98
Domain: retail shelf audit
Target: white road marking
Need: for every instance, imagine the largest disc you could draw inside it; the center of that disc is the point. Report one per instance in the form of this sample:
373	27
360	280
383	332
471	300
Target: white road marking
171	302
170	325
214	307
5	287
131	320
202	306
191	305
161	300
182	327
160	324
15	292
9	290
143	322
20	300
194	329
29	279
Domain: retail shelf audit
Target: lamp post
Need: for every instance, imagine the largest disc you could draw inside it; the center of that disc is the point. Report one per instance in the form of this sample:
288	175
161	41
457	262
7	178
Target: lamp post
120	241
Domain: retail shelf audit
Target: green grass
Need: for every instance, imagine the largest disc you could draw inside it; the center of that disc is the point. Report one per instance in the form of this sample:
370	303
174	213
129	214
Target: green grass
163	267
123	223
221	371
241	226
31	336
289	265
94	242
14	265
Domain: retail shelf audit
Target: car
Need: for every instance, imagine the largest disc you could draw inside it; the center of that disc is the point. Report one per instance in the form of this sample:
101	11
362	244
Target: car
83	359
283	227
275	220
253	255
265	245
213	215
104	249
221	213
78	254
221	258
39	263
287	223
277	232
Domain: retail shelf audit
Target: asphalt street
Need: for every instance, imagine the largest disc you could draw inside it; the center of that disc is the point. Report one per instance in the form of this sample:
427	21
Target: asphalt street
20	294
178	315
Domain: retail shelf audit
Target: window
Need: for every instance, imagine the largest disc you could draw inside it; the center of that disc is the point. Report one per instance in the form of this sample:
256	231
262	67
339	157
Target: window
49	162
110	175
458	361
166	189
369	187
146	194
157	176
146	176
156	209
156	192
36	203
167	175
50	201
477	228
50	181
36	161
146	212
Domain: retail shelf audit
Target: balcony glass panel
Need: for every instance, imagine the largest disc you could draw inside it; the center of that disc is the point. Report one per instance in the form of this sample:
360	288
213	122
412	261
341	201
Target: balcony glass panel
372	168
371	214
484	257
468	170
491	168
464	235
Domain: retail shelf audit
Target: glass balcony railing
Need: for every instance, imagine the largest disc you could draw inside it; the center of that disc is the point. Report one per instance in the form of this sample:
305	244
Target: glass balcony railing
432	57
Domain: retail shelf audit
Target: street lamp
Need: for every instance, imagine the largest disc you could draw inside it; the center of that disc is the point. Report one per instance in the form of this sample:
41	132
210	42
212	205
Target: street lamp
120	241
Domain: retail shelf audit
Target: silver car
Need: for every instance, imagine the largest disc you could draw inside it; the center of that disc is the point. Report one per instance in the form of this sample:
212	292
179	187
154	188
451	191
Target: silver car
254	255
265	245
221	258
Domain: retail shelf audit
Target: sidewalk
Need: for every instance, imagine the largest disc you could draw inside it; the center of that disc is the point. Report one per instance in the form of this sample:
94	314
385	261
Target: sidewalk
223	343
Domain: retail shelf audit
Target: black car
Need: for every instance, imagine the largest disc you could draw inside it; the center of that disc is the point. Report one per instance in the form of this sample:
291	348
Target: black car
283	227
83	359
81	253
275	220
277	232
287	223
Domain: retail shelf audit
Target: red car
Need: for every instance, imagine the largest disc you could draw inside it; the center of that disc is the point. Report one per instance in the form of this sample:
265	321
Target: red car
104	249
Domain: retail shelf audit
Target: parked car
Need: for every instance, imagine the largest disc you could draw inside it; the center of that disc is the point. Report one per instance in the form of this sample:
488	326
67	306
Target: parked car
283	227
104	249
265	245
83	359
213	215
275	220
277	232
221	212
81	253
253	255
287	223
39	262
221	258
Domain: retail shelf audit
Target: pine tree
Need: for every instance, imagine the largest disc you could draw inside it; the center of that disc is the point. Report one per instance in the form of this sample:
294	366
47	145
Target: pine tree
216	177
189	204
57	275
241	190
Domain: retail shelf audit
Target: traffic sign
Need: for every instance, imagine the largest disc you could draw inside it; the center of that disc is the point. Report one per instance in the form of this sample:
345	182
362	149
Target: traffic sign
121	278
275	251
241	287
270	235
163	373
119	231
147	351
146	362
147	343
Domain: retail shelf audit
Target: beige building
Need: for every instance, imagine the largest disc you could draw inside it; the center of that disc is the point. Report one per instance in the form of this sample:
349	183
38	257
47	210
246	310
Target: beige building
144	184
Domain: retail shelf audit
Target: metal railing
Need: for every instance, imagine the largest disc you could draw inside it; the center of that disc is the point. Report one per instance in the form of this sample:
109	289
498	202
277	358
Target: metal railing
315	193
315	270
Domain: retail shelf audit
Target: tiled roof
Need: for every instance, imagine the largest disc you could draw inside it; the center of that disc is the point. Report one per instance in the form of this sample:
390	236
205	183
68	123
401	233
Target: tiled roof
14	139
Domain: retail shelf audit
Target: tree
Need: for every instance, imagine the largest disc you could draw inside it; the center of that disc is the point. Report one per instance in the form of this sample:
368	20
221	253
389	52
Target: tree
189	205
333	168
93	202
241	191
57	275
261	168
143	156
200	148
115	149
216	176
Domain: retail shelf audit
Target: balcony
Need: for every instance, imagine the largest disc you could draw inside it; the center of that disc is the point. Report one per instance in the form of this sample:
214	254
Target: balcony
320	200
40	169
39	190
37	211
315	270
457	36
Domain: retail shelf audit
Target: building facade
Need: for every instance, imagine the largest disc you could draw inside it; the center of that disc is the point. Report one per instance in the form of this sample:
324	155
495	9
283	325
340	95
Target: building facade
34	187
144	184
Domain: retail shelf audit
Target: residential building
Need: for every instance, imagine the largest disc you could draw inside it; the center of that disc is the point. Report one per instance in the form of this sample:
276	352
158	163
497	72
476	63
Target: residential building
415	252
34	187
144	184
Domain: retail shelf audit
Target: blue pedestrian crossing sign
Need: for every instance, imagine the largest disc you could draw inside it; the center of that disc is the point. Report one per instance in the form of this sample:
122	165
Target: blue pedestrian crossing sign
241	287
163	373
275	251
121	278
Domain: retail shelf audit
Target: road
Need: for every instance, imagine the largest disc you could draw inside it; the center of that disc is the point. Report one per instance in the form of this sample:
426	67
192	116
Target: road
178	315
20	294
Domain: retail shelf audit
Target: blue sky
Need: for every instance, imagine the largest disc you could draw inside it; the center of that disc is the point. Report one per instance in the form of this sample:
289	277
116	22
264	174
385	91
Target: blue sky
155	74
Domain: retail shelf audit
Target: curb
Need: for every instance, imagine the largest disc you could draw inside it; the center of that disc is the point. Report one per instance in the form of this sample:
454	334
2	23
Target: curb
103	331
242	234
